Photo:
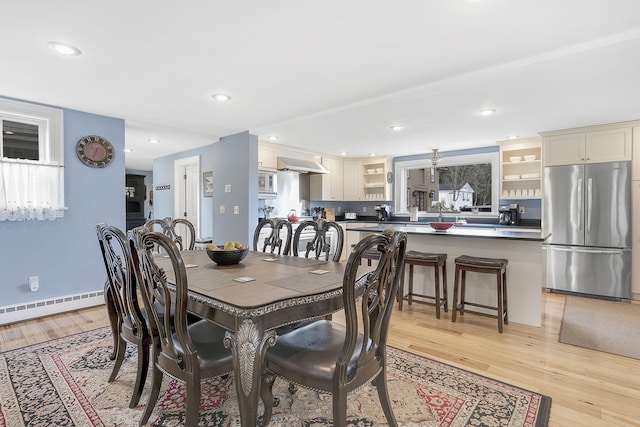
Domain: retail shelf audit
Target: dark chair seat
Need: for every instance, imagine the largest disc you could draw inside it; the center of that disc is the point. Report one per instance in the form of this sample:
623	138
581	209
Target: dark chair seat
207	338
315	346
472	261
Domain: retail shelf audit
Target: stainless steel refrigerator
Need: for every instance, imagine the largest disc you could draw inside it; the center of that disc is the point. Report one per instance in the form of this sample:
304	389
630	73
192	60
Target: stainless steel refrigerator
587	210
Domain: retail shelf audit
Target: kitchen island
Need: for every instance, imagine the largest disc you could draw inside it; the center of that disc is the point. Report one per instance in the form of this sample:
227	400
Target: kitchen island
523	249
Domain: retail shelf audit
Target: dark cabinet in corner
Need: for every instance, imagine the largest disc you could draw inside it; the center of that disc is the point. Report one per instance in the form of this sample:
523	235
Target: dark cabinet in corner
135	193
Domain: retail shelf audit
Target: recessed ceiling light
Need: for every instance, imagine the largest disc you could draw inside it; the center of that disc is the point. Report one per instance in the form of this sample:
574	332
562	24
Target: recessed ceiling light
221	97
396	128
273	138
487	112
372	154
128	150
64	49
513	137
343	153
153	141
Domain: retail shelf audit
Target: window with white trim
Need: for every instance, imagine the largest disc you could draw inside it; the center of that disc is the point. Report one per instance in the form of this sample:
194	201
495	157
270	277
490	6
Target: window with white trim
31	161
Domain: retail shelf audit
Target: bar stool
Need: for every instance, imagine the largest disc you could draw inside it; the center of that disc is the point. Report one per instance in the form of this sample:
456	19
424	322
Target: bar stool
497	266
437	261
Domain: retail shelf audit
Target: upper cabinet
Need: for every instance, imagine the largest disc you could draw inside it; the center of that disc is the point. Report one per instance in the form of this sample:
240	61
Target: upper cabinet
377	182
353	181
328	186
597	144
267	157
521	168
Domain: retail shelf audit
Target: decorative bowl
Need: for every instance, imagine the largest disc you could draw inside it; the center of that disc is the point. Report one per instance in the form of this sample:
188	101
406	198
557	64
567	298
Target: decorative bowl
530	157
223	257
515	158
441	226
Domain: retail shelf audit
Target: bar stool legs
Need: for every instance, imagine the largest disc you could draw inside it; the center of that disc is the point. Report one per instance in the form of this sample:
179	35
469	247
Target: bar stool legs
495	266
438	262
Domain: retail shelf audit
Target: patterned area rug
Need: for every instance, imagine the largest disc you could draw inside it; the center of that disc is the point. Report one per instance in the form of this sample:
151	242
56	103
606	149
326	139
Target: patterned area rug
64	383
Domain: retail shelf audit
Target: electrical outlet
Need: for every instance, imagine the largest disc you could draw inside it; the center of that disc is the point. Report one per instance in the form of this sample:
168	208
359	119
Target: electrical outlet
222	209
521	209
236	210
227	188
33	283
364	210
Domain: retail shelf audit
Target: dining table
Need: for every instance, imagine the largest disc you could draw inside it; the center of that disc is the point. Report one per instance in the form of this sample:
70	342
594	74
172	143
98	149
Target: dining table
252	299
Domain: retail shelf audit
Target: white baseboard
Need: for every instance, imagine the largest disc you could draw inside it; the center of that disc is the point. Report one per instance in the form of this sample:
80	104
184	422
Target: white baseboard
34	309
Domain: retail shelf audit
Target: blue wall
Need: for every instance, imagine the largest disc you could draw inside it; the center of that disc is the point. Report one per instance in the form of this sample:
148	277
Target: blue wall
233	161
64	253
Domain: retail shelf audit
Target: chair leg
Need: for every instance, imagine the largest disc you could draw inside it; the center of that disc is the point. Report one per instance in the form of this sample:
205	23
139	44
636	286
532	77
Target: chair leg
339	409
156	383
463	288
436	278
400	293
121	348
193	402
500	300
266	394
456	285
444	288
410	284
504	296
383	394
141	375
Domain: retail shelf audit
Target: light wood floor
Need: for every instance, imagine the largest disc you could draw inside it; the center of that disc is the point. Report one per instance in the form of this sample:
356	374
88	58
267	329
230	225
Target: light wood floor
588	388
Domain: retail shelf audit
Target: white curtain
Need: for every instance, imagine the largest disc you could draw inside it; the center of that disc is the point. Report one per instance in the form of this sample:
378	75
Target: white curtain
30	190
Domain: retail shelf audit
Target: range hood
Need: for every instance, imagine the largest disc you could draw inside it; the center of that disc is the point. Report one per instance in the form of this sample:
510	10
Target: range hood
302	166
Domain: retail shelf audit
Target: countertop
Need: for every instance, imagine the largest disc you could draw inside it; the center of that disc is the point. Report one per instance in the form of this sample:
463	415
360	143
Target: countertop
464	230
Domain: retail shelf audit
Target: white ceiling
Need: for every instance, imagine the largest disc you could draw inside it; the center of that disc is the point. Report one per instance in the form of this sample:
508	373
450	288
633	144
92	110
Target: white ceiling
328	76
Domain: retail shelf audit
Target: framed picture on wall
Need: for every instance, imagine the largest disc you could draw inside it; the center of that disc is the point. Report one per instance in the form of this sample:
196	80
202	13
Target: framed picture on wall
207	184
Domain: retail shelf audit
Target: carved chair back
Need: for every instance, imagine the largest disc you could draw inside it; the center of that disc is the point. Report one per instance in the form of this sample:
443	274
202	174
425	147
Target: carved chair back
179	230
321	246
274	242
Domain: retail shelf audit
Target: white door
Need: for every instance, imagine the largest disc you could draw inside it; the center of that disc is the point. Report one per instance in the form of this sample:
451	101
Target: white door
187	189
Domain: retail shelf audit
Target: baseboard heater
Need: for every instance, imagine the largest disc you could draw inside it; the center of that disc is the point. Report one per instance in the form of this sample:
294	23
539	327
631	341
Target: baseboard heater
56	305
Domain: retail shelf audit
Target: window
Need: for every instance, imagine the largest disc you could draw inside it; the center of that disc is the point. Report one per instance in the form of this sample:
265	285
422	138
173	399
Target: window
31	161
467	183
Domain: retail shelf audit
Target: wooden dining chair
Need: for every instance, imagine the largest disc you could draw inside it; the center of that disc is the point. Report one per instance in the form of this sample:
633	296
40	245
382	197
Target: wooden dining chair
180	230
321	246
274	242
334	358
128	322
185	351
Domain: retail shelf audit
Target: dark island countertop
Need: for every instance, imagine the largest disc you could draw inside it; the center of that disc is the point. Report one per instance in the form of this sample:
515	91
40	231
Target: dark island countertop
532	235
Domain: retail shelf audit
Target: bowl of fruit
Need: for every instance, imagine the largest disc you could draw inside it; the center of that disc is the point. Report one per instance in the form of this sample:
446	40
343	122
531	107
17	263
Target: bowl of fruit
228	254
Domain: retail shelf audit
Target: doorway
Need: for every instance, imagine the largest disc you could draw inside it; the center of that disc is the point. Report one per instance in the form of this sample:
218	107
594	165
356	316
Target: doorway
187	188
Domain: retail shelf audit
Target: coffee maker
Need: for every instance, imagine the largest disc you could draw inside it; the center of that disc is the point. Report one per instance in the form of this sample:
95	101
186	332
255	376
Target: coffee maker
509	214
383	215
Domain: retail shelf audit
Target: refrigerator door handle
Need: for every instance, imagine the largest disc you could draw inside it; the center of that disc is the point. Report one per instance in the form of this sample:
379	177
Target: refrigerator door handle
589	202
580	204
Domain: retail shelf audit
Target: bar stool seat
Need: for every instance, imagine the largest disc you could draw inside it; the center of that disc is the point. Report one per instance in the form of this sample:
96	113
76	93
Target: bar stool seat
439	262
497	266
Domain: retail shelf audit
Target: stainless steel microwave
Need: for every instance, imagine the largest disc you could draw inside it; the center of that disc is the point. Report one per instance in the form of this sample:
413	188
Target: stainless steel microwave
267	184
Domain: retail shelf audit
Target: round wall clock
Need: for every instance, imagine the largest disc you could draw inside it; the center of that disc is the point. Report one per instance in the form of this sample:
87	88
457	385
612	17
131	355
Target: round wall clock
95	151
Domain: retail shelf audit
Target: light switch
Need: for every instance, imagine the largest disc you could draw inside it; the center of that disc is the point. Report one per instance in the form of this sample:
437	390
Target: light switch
227	188
236	210
221	209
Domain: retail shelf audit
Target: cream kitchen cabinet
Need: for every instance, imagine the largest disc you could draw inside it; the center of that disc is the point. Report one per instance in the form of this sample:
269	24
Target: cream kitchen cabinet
376	178
635	165
521	169
267	157
596	144
353	181
635	242
329	186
